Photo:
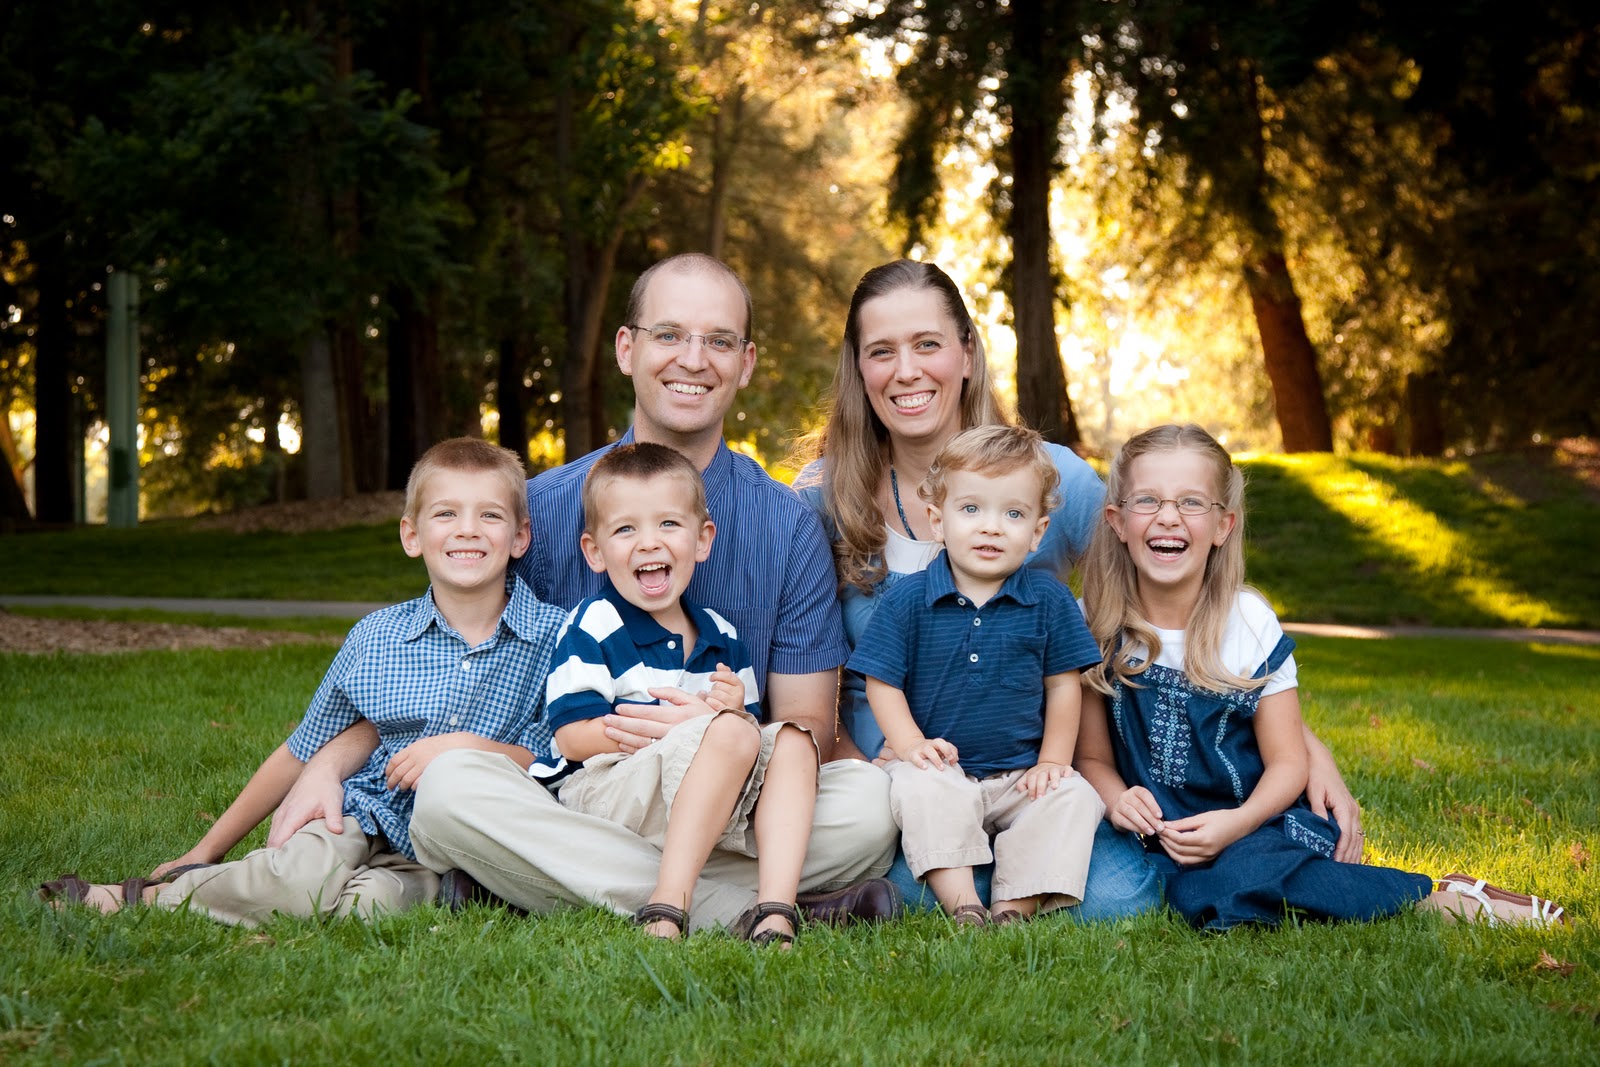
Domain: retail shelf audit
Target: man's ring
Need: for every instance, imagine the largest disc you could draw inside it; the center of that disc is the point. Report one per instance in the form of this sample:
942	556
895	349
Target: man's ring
1361	833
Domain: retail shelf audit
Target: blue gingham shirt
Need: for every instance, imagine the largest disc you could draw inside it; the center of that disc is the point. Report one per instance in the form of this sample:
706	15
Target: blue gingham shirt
770	572
410	674
975	675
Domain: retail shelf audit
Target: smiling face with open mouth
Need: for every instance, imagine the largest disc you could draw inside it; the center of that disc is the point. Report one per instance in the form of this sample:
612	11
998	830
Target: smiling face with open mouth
647	537
1170	549
913	360
466	531
682	391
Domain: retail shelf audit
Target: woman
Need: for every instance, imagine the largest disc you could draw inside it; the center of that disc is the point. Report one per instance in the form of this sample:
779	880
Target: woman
912	374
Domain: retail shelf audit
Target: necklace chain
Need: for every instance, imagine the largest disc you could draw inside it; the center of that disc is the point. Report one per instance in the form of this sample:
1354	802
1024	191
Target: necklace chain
894	487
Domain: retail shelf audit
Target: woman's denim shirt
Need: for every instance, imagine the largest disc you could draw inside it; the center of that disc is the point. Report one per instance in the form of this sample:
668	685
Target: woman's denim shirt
1071	526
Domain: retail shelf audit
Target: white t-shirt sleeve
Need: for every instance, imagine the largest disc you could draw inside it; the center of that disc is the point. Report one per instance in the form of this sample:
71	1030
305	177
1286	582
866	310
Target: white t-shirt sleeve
1253	632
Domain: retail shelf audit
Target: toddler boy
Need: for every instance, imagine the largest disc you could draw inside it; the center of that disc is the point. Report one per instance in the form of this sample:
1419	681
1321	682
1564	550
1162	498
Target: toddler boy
463	665
972	674
719	780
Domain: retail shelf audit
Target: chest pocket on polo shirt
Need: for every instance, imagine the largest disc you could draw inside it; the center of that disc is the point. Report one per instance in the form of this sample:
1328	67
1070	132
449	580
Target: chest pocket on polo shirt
1016	662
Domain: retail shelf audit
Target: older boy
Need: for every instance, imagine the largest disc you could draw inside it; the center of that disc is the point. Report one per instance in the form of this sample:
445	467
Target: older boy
719	780
462	666
972	673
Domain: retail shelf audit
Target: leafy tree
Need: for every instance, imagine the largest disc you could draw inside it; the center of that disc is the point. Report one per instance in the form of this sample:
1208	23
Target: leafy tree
992	75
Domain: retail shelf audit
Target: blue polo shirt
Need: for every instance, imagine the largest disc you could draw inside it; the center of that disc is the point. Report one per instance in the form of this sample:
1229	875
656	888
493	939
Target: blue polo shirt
975	675
612	652
770	572
412	675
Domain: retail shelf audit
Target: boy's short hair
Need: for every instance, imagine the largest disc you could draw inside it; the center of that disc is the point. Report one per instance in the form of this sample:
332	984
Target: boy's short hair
997	449
642	460
472	455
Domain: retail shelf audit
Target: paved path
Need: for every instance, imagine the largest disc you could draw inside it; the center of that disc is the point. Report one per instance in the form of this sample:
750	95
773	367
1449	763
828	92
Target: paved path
349	609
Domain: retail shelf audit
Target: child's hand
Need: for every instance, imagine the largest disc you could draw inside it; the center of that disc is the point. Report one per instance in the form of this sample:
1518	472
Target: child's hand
1043	777
934	752
407	765
194	855
1136	809
1201	838
726	692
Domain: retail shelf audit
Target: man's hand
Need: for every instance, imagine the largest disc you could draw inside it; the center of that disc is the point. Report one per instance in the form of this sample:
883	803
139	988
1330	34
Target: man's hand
1043	777
317	794
633	726
1136	809
726	692
932	752
407	765
1201	838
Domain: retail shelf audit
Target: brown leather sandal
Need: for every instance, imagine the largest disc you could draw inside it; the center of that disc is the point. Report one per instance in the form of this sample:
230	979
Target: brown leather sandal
747	923
975	916
658	912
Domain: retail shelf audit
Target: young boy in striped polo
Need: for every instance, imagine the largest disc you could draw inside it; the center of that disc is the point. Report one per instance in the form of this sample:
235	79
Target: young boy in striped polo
972	674
719	781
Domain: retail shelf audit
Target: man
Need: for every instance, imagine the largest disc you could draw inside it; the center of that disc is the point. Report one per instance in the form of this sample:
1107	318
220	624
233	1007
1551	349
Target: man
685	346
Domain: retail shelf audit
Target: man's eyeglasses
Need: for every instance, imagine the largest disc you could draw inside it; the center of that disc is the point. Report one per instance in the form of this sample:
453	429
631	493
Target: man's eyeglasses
1149	505
672	337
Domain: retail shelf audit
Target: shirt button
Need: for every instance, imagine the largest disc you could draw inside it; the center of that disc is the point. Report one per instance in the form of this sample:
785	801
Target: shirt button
455	720
977	622
672	644
466	664
973	657
961	600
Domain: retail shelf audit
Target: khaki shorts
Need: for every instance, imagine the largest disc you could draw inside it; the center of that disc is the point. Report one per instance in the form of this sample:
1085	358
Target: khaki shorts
636	791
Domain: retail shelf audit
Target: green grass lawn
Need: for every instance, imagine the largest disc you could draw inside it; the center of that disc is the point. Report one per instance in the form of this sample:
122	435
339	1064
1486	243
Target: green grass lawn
1470	755
1500	541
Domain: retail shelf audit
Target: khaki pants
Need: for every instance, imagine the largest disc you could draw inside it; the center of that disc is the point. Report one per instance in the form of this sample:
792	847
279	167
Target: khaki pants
316	872
1042	846
480	812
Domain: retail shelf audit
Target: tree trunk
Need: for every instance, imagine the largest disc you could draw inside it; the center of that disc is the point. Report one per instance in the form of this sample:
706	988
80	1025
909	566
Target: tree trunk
725	128
510	395
320	445
53	450
1290	358
1042	399
1424	420
416	385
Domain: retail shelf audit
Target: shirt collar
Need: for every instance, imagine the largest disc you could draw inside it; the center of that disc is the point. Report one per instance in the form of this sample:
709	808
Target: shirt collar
517	614
643	629
1018	586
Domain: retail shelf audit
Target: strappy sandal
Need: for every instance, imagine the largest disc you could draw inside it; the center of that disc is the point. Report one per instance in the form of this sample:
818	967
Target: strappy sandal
1008	916
1542	913
747	923
70	889
658	912
975	916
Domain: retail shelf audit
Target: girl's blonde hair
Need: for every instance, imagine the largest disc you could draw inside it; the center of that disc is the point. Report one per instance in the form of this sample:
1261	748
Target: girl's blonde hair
853	442
1111	582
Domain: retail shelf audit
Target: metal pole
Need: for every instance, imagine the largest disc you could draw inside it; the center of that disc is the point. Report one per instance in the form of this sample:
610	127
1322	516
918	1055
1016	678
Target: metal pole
122	399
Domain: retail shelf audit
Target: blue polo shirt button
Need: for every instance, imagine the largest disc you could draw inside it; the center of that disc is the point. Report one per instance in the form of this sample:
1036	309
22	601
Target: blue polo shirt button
973	657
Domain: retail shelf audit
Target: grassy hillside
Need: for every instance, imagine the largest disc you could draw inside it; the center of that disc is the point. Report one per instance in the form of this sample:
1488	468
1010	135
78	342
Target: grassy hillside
1498	541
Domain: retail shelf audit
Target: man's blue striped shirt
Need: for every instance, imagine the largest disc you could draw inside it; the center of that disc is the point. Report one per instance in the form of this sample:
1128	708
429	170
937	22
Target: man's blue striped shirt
770	572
